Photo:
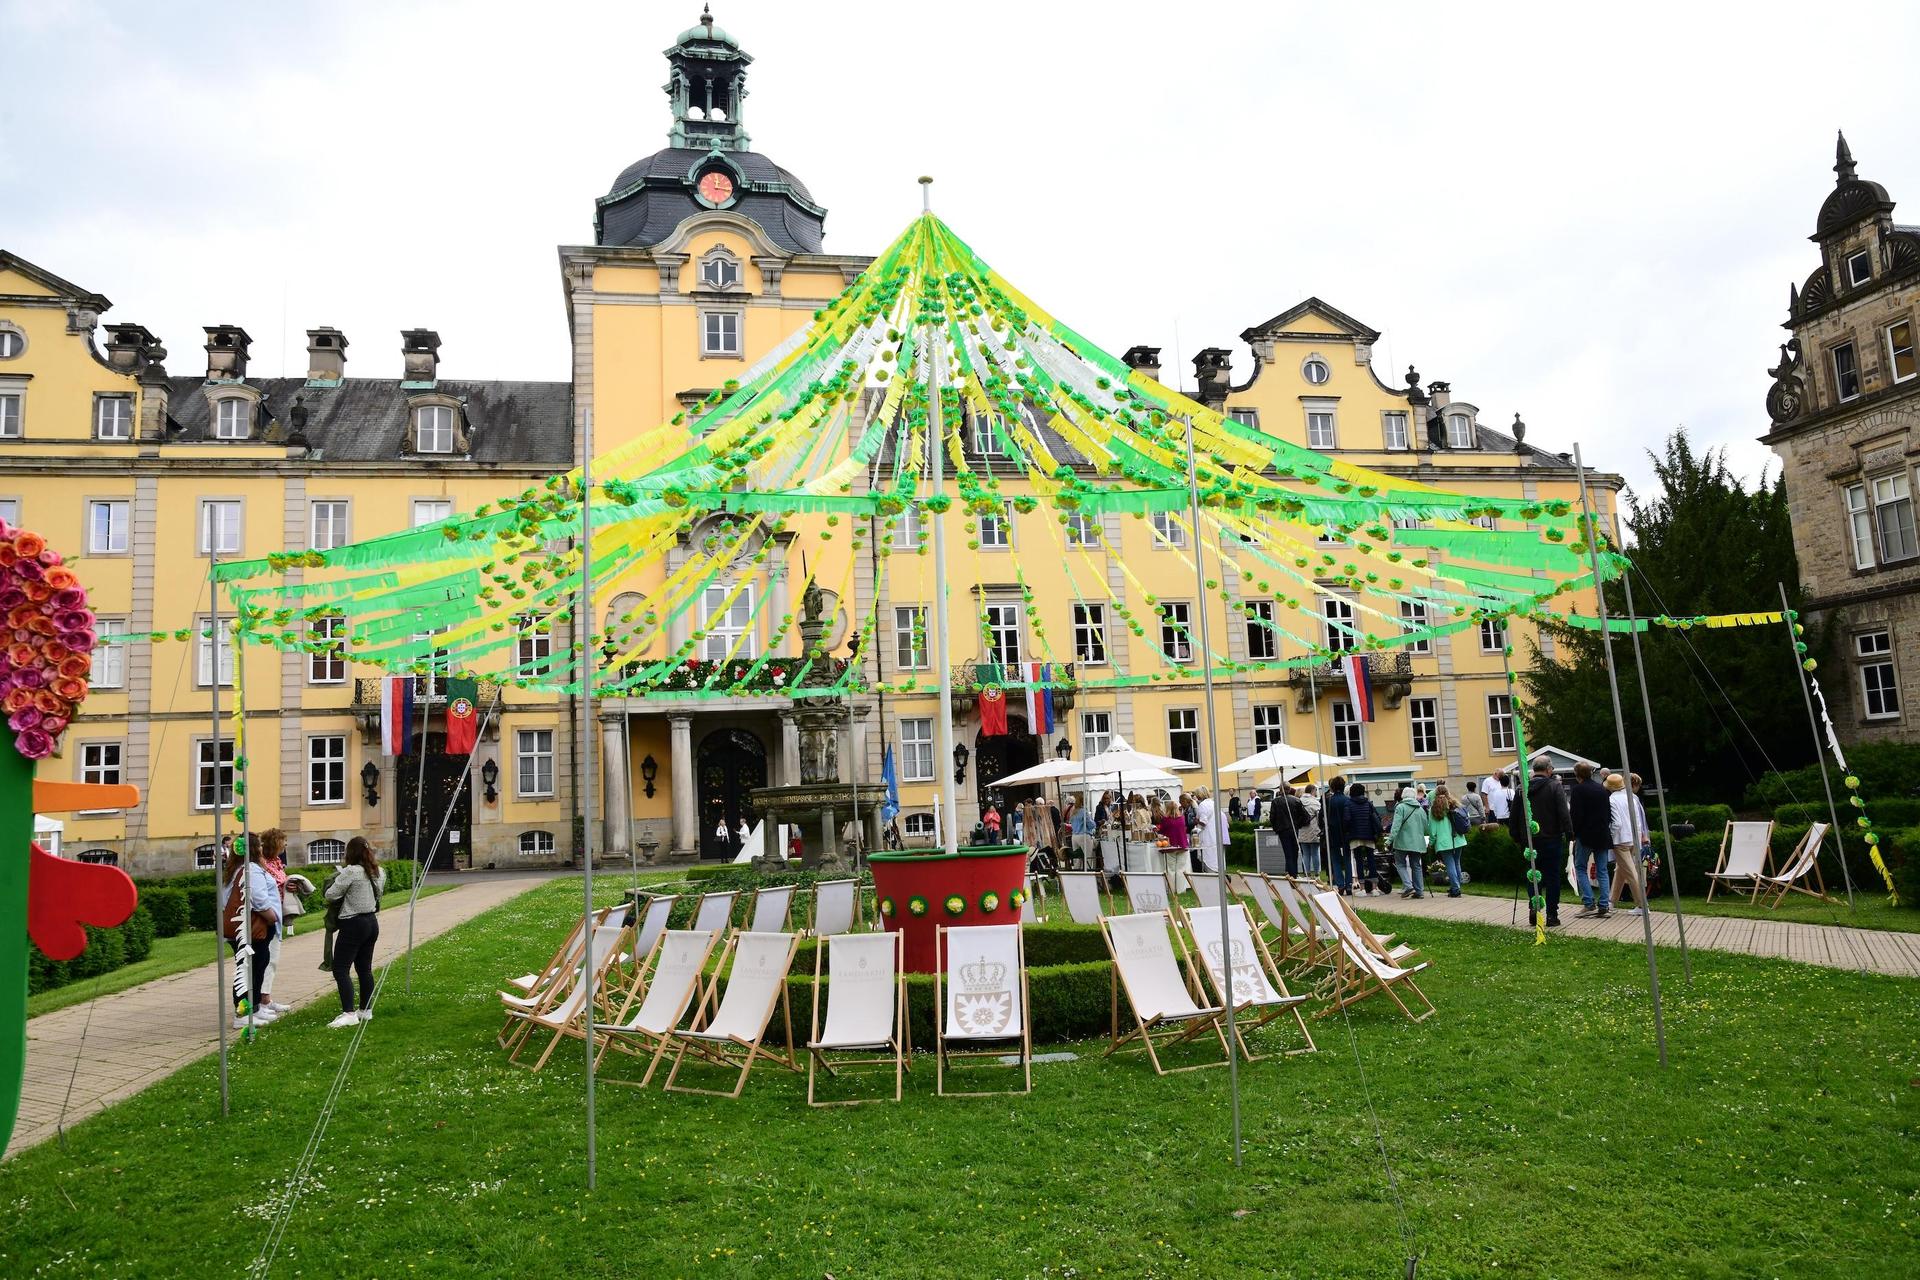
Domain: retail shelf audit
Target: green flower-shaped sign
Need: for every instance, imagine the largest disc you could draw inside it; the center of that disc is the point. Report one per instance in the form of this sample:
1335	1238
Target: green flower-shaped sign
989	902
956	905
1019	897
886	907
916	905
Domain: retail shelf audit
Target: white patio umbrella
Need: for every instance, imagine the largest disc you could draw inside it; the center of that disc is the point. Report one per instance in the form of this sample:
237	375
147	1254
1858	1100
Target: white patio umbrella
1287	761
1046	771
1122	758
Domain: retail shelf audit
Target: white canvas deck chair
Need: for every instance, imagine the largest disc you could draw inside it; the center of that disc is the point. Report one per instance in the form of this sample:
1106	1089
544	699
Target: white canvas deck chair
715	912
771	907
1160	987
1081	891
567	1017
733	1035
1030	909
836	906
1746	858
1150	891
1259	996
539	991
1303	940
1804	860
1206	888
671	988
980	995
1381	944
1360	971
866	990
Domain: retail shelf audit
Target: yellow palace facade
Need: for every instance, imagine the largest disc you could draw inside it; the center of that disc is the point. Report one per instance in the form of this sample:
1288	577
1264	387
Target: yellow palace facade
706	255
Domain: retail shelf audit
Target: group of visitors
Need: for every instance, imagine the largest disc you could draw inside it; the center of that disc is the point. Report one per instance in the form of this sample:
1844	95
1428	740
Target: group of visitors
259	890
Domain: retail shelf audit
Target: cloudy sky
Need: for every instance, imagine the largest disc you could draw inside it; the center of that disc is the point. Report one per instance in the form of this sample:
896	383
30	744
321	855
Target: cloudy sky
1592	223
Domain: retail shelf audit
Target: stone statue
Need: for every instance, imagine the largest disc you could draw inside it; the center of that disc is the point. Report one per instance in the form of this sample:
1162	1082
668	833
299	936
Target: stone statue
813	604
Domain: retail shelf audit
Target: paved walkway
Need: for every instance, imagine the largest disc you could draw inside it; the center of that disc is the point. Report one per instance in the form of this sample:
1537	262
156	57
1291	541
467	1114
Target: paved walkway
144	1034
1834	946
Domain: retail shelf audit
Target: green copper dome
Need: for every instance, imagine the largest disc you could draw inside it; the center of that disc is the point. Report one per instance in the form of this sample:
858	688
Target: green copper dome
707	32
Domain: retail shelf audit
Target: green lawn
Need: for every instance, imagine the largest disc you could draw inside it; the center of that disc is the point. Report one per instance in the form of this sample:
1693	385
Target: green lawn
173	955
1870	910
1532	1133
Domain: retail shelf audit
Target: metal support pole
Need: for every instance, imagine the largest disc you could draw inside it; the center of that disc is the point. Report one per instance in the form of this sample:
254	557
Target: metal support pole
1530	851
583	626
1620	734
446	818
1213	776
419	801
1653	747
1819	747
224	1005
937	483
245	844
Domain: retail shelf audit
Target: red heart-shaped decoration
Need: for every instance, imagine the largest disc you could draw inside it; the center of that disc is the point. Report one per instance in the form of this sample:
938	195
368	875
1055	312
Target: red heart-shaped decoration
62	896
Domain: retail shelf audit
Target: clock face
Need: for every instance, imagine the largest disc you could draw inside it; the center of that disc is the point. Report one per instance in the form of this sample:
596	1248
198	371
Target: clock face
716	187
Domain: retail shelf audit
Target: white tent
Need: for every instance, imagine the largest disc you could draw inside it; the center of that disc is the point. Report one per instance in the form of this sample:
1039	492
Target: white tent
48	833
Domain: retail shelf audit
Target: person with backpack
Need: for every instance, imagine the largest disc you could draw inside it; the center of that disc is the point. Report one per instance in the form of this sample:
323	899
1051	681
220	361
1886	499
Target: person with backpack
357	889
1310	832
1363	829
1590	824
1289	818
251	896
1550	811
1409	838
1451	827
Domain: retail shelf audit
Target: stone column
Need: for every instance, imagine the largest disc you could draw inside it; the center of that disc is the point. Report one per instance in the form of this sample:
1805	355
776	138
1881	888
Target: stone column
686	835
789	772
616	789
779	603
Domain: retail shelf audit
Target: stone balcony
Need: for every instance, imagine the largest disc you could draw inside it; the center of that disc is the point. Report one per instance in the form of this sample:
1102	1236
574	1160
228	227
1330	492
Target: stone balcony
1389	674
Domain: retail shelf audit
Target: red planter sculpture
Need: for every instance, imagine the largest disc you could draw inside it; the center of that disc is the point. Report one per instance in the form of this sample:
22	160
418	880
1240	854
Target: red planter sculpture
918	892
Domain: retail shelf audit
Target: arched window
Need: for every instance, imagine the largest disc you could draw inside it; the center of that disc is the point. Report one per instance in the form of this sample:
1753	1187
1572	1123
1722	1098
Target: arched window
536	844
105	857
1315	371
1459	431
719	271
326	853
206	858
433	429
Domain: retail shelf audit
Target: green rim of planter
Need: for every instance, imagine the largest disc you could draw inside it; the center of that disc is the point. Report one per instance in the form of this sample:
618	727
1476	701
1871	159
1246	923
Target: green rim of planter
989	902
971	851
886	907
916	905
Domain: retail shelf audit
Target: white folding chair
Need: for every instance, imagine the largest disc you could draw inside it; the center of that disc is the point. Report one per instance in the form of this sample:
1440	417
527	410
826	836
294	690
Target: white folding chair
671	988
980	994
1360	971
1149	891
771	907
1207	889
715	912
1746	858
544	989
1159	986
835	904
1244	966
1804	860
1081	891
564	1018
732	1037
866	993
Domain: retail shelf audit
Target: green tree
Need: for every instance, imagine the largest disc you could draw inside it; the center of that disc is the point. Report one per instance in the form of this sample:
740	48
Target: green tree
1704	544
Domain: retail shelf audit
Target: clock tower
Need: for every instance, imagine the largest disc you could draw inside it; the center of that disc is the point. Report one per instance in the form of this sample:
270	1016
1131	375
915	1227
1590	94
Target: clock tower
707	82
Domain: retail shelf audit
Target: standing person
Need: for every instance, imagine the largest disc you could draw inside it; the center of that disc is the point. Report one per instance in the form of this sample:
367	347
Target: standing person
1173	829
1084	833
273	853
723	835
1471	806
1553	813
248	884
1363	828
1334	834
1450	830
1629	873
1409	839
1253	809
1310	832
1234	811
357	889
1288	817
1210	843
1591	822
1494	794
741	834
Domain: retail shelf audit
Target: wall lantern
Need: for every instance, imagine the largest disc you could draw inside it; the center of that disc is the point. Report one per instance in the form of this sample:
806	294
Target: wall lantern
490	779
370	782
649	770
1063	748
959	763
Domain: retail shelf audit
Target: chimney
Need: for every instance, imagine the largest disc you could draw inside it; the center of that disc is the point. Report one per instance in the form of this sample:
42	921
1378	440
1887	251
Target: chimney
1442	393
130	347
227	353
420	349
1145	359
1213	370
326	356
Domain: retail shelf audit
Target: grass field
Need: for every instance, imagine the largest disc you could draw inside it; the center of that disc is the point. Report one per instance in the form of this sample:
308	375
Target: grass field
1530	1131
169	956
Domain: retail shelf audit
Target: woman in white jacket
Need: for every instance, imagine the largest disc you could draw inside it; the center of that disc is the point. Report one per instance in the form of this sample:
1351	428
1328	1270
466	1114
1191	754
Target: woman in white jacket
1209	842
1626	837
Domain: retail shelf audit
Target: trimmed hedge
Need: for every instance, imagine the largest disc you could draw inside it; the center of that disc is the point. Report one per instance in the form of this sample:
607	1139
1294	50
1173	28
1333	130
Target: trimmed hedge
1704	817
1887	771
1895	811
168	907
107	950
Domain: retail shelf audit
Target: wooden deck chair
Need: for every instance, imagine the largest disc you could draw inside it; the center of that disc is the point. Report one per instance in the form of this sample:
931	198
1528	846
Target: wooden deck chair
732	1035
1360	971
1081	891
1308	943
1274	920
1206	887
1150	891
1804	859
1160	988
771	907
866	990
1381	944
836	907
1746	857
1030	908
980	995
568	1016
715	912
539	991
1258	992
671	987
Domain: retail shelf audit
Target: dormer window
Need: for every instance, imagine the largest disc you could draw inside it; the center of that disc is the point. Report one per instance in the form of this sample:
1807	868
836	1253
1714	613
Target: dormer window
1459	431
987	428
113	418
720	271
1859	268
433	429
233	418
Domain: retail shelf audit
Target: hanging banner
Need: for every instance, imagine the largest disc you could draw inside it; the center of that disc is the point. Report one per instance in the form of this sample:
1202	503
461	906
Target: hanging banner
396	716
462	716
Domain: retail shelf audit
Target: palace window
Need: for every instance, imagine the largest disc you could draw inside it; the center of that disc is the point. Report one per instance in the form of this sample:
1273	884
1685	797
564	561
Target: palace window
913	529
1879	693
1320	430
1349	737
113	418
1263	644
10	510
233	418
219	526
1096	732
213	774
1459	431
1090	634
916	750
327	769
10	402
433	429
727	622
109	670
1336	614
1413	617
1167	530
1846	373
1893	517
1394	428
329	525
533	646
1002	624
107	521
1176	635
719	272
1493	635
100	763
997	531
986	434
326	661
1269	725
1245	417
12	343
1083	529
1859	268
325	853
719	333
1423	715
533	763
910	636
1500	736
1900	350
1315	371
428	511
918	826
536	844
204	857
1183	734
205	652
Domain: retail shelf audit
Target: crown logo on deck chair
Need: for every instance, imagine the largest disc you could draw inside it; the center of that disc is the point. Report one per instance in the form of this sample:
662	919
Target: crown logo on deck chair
983	976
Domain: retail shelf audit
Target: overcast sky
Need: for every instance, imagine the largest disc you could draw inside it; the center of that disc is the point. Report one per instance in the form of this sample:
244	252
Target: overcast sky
1592	223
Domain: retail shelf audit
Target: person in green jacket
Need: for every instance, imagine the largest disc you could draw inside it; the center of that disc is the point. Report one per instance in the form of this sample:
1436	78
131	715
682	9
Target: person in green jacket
1408	838
1448	839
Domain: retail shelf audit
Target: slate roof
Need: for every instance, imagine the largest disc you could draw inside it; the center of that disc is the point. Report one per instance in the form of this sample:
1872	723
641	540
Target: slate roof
652	197
365	419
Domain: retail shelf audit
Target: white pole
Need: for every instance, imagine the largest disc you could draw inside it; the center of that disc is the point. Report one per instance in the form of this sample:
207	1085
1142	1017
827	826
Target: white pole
1213	775
224	1005
1620	734
936	454
583	626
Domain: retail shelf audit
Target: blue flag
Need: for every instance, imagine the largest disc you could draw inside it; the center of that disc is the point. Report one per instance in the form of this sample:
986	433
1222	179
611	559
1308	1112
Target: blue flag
890	807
